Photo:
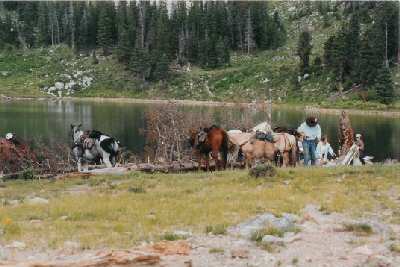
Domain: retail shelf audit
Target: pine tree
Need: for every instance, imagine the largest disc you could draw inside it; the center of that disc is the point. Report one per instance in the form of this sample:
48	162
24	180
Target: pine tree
83	42
43	37
140	63
277	32
93	17
125	45
384	85
27	21
260	19
106	26
372	55
303	51
352	50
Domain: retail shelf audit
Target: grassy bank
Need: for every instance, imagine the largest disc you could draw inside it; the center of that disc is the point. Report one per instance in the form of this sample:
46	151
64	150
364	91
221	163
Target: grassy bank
119	211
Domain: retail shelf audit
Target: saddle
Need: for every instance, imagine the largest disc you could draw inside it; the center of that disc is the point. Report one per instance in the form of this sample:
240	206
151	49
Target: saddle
266	137
88	143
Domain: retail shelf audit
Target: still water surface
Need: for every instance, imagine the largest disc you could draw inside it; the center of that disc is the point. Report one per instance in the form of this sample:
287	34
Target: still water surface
50	121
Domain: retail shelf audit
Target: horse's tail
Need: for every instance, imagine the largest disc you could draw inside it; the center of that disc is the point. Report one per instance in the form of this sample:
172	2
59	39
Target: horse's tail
225	147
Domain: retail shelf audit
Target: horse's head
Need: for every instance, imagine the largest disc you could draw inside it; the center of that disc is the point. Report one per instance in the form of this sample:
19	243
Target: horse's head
76	133
197	137
202	136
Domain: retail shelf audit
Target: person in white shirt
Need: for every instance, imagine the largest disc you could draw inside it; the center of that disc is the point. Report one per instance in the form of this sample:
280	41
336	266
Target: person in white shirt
324	151
311	132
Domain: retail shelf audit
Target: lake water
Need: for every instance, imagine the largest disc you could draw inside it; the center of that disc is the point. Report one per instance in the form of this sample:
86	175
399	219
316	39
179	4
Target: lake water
50	120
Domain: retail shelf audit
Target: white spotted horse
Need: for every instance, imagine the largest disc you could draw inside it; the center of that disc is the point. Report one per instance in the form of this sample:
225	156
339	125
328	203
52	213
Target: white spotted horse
93	146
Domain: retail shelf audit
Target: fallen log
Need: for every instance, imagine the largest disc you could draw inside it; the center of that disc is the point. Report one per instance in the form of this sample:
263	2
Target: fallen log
151	255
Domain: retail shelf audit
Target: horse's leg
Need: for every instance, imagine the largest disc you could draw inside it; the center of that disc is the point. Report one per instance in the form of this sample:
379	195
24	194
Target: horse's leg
293	153
106	159
200	162
217	162
248	161
113	160
285	159
86	167
79	162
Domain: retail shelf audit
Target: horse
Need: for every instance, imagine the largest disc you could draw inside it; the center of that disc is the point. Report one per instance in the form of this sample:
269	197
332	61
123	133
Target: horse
286	142
93	146
212	140
258	150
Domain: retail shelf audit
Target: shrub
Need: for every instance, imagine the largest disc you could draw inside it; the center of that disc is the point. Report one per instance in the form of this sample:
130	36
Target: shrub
359	228
263	170
219	229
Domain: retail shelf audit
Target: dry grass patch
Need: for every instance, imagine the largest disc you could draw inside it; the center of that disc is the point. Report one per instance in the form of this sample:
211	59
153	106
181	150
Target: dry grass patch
119	211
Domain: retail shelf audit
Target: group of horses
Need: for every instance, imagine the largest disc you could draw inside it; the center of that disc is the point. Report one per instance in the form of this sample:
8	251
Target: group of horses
261	143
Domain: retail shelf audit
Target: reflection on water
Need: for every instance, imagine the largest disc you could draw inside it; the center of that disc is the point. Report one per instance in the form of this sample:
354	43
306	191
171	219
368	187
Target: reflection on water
50	120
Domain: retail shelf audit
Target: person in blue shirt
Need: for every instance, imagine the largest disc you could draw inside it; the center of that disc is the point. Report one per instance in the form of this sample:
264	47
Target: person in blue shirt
311	132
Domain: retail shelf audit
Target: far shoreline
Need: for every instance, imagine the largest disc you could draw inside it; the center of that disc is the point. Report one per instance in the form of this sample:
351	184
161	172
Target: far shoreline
211	103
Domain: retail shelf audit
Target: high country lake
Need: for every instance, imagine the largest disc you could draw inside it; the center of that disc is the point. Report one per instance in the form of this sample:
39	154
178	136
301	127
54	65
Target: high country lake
50	120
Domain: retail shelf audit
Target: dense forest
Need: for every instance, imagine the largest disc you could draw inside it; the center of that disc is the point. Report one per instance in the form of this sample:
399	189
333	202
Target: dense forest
146	36
152	39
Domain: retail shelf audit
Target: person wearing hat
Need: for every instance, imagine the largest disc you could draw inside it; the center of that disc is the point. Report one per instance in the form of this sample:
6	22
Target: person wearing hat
311	132
361	147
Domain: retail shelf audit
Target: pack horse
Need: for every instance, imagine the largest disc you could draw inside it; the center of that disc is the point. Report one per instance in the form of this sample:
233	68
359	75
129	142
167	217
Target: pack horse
93	146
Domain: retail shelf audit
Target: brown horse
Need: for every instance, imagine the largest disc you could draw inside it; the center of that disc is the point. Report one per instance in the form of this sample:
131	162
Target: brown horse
258	150
212	140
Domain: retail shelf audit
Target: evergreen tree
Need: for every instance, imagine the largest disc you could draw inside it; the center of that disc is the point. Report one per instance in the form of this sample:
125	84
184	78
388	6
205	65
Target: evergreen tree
372	55
140	63
83	42
260	19
303	51
352	50
43	37
277	32
384	85
125	45
106	26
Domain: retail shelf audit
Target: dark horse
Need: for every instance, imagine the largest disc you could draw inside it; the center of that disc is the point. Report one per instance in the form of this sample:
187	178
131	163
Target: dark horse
212	140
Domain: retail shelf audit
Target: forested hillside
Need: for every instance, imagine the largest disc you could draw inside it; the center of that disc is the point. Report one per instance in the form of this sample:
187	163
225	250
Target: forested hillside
347	52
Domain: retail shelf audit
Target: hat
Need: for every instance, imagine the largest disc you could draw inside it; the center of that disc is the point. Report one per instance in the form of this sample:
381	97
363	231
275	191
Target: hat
312	121
358	135
9	136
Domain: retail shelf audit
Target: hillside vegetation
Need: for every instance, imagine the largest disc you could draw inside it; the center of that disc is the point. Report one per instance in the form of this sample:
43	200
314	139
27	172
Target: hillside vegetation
246	77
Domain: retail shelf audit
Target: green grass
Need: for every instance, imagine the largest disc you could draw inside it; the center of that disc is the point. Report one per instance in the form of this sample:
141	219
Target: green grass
114	216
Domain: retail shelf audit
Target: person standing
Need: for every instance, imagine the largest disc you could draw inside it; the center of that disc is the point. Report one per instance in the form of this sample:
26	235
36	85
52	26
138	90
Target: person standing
311	132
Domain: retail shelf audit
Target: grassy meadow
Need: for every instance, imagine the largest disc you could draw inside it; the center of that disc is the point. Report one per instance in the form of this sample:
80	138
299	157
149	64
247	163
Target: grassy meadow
121	211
